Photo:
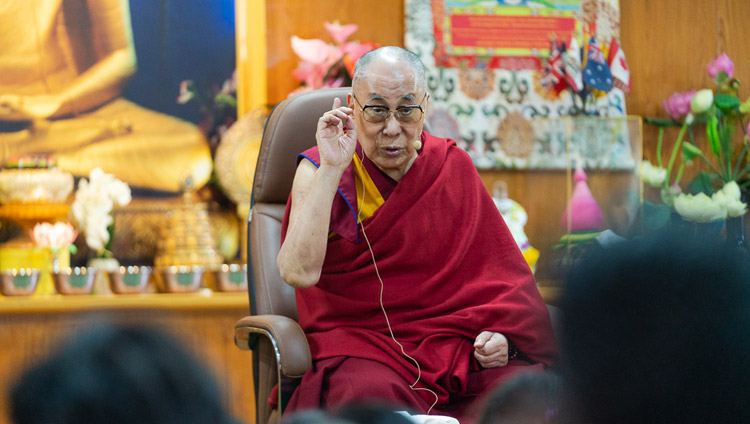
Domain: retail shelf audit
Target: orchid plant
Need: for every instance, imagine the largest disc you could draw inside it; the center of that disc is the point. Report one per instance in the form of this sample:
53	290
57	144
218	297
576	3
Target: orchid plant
326	65
217	105
718	191
95	200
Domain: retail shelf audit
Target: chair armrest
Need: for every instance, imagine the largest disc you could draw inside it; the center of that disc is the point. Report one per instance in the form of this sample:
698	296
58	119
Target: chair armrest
289	343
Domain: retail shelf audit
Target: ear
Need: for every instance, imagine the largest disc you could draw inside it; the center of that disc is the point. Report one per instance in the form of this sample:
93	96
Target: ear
350	101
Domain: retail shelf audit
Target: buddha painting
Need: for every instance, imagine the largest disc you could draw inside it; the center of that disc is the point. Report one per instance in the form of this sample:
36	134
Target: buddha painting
63	66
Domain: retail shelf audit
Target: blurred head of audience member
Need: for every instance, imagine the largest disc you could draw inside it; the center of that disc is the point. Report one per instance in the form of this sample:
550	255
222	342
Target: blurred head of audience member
118	375
352	413
529	398
657	330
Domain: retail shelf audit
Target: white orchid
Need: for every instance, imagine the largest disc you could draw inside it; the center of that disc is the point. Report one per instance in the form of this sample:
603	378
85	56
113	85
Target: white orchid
94	202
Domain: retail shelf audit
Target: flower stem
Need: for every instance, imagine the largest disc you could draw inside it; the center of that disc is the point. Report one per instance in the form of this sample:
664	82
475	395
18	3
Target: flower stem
658	147
679	173
710	165
674	154
739	158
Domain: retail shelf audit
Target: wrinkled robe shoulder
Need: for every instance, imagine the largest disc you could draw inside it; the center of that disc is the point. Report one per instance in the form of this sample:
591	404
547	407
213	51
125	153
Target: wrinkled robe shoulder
449	268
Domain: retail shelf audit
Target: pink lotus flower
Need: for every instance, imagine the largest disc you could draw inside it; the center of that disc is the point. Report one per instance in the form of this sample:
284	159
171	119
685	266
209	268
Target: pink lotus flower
721	64
53	237
313	51
340	32
678	105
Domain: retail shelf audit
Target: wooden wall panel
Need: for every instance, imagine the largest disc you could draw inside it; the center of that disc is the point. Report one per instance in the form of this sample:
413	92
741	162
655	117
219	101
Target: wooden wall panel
381	22
668	44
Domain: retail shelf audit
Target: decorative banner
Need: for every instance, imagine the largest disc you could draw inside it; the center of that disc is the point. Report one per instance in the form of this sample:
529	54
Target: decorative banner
464	32
502	73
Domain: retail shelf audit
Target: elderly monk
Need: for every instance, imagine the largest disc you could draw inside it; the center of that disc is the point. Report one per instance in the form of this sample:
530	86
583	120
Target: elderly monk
63	64
410	288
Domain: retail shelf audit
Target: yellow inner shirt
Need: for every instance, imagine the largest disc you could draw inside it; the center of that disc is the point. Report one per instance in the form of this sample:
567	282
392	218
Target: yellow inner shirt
368	203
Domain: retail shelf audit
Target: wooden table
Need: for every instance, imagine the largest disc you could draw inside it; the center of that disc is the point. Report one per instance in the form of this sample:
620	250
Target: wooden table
33	327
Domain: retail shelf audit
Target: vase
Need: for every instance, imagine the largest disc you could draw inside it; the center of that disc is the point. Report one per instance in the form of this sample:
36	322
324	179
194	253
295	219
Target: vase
103	266
736	231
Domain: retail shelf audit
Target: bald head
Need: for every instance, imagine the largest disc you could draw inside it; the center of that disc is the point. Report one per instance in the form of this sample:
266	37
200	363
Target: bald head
390	55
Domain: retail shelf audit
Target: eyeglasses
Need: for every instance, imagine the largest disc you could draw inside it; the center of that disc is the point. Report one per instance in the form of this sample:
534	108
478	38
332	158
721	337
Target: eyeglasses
406	114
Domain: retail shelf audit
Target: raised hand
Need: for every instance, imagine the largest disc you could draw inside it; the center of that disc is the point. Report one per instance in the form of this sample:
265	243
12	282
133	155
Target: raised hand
336	136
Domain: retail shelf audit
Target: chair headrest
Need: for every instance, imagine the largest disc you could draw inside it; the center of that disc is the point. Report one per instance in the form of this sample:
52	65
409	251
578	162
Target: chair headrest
290	129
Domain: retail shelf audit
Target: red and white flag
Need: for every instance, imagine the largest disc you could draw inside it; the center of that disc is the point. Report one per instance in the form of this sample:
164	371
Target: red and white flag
572	59
618	66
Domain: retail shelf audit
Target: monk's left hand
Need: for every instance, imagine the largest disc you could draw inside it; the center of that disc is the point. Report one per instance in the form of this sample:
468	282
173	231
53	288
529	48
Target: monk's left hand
491	349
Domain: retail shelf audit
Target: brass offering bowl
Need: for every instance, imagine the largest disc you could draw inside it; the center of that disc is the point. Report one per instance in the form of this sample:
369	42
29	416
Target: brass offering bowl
74	281
19	281
180	279
231	278
130	279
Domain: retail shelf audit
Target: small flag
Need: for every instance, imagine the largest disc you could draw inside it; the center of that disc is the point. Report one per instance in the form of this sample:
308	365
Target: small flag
596	73
572	59
554	77
618	66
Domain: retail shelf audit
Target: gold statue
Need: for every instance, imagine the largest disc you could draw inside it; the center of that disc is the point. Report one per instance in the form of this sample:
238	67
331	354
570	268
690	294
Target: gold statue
63	64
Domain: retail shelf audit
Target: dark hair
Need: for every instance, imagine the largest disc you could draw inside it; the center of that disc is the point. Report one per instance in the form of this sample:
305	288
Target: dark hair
525	398
118	374
658	330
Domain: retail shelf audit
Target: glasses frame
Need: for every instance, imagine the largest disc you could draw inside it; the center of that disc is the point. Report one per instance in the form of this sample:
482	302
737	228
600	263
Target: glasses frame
390	111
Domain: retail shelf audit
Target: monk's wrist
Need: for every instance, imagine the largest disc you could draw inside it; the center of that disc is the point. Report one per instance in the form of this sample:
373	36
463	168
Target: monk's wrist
329	174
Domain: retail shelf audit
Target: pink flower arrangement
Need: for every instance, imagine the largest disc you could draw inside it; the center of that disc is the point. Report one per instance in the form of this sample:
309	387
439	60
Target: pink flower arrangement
325	65
678	105
721	64
720	114
54	236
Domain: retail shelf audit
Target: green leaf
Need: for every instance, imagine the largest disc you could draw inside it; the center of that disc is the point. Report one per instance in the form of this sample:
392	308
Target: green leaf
712	131
225	100
726	102
660	122
655	215
702	183
72	249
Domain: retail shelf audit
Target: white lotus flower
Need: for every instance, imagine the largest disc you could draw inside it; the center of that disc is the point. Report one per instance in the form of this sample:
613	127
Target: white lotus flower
652	175
729	197
699	208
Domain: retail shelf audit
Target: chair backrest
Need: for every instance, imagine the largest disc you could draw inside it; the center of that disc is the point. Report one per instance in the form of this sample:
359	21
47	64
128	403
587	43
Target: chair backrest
290	129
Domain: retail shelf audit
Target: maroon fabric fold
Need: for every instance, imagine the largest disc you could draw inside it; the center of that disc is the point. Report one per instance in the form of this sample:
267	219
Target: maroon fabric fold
450	270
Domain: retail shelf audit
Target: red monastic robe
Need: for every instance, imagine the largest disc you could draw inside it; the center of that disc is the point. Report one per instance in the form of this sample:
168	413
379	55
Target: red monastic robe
450	270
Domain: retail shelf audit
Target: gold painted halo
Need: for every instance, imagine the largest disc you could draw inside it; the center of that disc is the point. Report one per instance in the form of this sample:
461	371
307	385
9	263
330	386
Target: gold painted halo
237	156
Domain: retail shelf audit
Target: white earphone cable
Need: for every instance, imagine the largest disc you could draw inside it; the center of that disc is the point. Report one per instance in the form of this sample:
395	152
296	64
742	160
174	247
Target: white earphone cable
382	306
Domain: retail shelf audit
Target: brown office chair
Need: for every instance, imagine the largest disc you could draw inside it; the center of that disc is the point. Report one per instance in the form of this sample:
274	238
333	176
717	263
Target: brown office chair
280	350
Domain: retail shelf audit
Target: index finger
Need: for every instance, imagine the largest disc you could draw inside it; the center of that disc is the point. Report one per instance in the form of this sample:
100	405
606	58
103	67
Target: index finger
336	103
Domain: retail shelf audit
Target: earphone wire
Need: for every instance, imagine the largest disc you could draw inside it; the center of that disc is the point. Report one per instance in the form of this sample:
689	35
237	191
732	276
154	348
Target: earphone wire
382	306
